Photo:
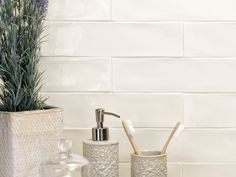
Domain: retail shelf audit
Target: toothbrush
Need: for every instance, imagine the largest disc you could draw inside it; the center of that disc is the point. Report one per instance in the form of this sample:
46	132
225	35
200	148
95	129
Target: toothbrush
130	131
175	133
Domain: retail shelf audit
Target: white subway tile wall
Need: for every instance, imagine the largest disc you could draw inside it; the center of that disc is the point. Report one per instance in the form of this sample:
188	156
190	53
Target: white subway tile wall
154	62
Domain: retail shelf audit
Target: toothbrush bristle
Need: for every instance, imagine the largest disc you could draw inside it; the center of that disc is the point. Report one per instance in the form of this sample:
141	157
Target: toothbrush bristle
179	130
130	127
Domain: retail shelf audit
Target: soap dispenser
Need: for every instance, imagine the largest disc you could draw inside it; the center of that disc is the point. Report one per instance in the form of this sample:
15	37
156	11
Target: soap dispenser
102	153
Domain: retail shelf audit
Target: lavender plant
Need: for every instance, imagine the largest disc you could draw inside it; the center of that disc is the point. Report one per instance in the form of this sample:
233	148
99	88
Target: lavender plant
21	27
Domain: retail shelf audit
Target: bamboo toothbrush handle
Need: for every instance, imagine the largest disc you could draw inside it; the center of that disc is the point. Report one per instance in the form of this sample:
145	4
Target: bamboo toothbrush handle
163	151
131	139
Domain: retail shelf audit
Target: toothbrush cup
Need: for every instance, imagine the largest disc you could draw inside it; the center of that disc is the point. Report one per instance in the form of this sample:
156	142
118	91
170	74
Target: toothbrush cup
149	164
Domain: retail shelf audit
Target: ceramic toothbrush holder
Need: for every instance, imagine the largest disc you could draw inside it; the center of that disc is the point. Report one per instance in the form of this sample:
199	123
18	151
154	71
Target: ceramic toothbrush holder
149	164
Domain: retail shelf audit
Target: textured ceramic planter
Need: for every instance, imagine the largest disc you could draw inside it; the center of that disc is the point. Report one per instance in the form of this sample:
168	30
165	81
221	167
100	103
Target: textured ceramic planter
149	164
103	156
27	139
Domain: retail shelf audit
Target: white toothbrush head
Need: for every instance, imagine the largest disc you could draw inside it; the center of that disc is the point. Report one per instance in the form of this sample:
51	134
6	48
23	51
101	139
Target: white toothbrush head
179	130
130	127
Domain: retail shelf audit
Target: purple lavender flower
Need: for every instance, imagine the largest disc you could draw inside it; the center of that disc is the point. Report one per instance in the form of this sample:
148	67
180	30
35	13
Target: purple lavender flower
42	5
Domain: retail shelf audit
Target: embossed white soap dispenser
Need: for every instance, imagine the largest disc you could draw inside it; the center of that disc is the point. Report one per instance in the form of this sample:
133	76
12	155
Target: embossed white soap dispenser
102	153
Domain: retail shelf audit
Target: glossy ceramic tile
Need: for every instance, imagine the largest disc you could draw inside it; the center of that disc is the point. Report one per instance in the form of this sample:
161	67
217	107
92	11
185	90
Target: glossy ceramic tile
209	75
113	39
79	10
206	170
210	110
147	75
210	39
208	145
173	10
145	110
174	75
76	74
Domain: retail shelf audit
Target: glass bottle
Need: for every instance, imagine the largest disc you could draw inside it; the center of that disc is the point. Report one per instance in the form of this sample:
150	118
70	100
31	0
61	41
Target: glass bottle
66	164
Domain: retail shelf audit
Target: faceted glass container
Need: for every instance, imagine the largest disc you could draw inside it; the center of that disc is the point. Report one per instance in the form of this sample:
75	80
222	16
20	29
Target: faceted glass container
66	164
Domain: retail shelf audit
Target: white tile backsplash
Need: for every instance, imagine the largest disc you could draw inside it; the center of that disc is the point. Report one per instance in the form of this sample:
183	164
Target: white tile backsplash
113	39
154	62
173	10
210	39
79	10
76	74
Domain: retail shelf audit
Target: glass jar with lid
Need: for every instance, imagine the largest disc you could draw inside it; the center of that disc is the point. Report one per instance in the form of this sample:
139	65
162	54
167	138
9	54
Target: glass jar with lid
66	164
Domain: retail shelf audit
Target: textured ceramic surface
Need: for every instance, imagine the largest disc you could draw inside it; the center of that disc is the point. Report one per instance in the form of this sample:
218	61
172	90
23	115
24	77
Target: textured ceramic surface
110	39
76	74
104	157
27	139
149	164
79	10
169	10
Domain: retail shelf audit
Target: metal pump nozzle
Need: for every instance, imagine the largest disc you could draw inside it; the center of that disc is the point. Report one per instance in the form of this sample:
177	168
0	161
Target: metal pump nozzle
101	133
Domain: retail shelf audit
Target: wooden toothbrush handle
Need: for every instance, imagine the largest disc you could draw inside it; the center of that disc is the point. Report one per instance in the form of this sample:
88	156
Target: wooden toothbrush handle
131	139
163	151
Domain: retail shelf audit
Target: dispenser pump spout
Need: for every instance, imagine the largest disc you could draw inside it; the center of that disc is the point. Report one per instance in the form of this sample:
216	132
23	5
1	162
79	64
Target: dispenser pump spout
101	133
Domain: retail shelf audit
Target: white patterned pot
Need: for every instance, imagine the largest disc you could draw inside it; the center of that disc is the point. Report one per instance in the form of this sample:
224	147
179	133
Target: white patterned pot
27	139
103	156
149	164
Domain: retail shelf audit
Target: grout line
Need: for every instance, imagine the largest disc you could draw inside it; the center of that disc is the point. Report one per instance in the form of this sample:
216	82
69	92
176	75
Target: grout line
211	57
110	92
182	170
134	93
145	57
174	21
184	121
79	21
183	45
209	163
91	56
74	92
111	10
64	58
169	162
209	93
163	128
111	20
188	163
